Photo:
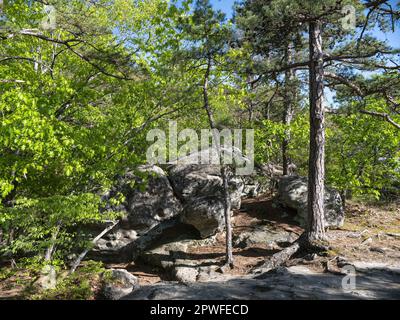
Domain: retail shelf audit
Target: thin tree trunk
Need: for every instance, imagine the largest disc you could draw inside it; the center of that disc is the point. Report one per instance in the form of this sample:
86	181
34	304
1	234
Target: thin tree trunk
78	260
288	109
227	200
50	250
316	174
227	212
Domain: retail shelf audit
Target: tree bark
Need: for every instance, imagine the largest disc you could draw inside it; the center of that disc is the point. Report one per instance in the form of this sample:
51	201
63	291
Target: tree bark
316	174
288	109
223	170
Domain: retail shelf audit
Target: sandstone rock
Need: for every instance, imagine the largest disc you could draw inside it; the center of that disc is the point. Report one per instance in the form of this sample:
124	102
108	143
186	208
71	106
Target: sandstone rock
206	214
265	235
293	193
146	208
197	180
200	187
121	284
143	209
293	283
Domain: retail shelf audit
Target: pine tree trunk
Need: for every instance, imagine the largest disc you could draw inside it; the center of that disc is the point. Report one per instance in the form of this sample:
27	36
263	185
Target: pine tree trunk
224	176
316	174
288	109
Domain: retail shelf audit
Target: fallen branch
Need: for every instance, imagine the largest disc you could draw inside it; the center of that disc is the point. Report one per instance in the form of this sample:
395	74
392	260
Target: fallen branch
94	241
279	258
132	250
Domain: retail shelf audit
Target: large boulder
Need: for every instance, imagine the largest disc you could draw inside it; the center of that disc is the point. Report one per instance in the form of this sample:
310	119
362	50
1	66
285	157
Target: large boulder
201	180
200	188
149	200
206	214
157	202
190	193
293	193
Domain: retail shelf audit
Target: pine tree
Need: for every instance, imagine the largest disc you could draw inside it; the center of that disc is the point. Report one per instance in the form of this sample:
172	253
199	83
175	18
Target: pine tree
269	26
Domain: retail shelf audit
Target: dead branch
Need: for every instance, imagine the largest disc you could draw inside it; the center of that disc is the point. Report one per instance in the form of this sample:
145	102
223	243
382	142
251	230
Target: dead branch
76	263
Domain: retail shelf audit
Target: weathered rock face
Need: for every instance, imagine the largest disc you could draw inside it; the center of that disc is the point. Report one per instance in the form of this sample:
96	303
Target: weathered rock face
255	185
121	284
197	180
174	258
206	214
191	193
200	187
293	193
143	209
264	234
292	283
146	208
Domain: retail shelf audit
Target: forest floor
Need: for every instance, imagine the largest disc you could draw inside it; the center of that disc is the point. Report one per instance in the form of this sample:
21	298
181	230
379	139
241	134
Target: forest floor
371	233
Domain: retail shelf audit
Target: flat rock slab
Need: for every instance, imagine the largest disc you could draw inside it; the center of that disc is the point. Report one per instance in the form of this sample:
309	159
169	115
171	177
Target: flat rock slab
298	282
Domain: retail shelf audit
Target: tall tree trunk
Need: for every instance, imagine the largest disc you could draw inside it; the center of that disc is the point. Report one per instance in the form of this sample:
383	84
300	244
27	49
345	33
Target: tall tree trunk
288	108
316	174
224	175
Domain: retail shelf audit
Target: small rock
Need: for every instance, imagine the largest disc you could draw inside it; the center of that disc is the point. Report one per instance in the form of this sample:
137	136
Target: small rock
121	284
186	274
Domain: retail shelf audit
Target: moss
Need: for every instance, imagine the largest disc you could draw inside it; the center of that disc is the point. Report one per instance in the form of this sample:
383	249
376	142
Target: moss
83	284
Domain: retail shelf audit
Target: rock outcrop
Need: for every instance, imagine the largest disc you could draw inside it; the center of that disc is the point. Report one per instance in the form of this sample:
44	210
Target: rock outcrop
155	199
149	200
157	202
200	188
296	282
198	180
293	193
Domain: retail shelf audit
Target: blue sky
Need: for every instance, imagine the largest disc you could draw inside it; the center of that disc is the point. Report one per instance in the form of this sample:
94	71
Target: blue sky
393	39
224	5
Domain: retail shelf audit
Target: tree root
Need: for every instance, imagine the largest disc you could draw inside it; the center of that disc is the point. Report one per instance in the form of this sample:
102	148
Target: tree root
226	267
281	257
278	258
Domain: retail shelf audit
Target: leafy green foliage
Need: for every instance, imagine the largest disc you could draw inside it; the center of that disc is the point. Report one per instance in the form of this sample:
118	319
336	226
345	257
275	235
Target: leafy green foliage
363	154
76	103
